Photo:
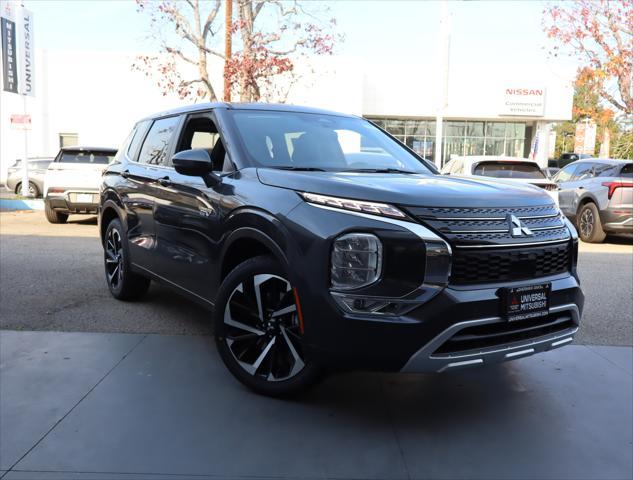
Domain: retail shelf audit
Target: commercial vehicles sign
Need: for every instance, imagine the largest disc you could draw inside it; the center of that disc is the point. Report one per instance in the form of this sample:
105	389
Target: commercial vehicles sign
523	101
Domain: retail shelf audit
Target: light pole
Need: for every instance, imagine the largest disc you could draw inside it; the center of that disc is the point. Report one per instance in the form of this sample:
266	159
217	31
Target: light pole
443	61
228	32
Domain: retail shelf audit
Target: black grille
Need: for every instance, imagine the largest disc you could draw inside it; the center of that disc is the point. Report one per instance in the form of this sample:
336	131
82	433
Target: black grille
487	249
500	333
490	226
504	265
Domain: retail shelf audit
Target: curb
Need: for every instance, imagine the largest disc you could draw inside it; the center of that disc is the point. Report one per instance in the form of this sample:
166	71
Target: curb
12	204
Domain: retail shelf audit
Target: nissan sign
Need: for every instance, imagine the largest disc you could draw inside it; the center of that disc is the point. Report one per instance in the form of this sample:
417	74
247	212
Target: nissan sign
523	101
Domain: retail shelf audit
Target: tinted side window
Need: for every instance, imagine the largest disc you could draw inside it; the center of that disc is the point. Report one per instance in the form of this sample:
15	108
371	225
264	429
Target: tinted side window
627	171
565	174
137	138
156	143
606	170
584	171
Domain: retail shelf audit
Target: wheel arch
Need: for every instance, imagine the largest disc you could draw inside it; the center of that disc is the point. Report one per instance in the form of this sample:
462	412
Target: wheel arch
110	209
248	242
584	201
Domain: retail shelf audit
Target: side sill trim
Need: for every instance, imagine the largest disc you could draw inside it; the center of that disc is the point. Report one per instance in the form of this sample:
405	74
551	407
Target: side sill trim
163	279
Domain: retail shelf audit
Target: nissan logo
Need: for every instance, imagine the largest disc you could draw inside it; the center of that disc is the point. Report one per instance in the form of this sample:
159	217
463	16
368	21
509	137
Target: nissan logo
516	227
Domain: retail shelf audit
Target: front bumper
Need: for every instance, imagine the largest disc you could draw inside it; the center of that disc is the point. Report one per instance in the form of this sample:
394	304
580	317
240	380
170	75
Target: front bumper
430	358
417	341
74	201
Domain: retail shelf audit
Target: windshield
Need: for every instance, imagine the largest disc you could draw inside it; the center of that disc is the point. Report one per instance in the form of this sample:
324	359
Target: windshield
308	141
509	170
82	156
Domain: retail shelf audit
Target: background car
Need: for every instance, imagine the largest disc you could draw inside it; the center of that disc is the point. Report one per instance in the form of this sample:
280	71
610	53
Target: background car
37	170
71	183
566	159
597	196
516	169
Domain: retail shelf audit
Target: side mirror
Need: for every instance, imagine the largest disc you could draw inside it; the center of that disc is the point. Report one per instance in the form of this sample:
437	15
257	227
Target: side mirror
196	163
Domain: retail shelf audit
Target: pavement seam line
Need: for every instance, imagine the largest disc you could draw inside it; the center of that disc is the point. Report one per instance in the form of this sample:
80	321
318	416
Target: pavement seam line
78	402
590	347
393	428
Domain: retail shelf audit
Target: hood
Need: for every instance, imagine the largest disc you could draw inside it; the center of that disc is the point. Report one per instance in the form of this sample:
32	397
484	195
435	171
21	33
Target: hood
414	190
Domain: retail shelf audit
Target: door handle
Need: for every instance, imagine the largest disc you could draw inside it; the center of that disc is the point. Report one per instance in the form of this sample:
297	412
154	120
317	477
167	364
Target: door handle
165	181
125	173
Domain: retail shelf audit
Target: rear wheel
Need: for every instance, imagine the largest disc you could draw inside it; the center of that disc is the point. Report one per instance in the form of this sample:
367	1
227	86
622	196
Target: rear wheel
33	190
589	224
54	216
258	331
122	282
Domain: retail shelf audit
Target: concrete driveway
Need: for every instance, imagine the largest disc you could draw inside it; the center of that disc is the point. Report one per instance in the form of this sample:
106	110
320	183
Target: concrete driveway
120	406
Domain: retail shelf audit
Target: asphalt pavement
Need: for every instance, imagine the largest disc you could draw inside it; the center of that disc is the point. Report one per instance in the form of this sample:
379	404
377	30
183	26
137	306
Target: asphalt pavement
52	278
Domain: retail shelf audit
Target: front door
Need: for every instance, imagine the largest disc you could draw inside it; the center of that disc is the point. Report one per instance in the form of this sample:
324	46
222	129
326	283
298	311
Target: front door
187	214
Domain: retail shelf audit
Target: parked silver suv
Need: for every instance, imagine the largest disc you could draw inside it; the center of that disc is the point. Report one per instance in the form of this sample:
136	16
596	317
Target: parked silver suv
597	196
37	169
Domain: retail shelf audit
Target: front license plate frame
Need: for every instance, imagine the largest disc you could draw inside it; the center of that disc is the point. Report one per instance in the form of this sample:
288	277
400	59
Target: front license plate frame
526	302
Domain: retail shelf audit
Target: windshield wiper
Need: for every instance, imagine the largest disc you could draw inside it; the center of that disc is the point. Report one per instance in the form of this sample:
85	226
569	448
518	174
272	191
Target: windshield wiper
297	169
382	170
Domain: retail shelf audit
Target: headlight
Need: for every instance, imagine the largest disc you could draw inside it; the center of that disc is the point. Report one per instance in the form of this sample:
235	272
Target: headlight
356	261
372	208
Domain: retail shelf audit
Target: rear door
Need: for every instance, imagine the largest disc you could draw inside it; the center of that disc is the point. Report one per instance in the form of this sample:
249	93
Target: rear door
142	173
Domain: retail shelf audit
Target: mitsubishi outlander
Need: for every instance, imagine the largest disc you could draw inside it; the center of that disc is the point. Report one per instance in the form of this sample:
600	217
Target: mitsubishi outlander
320	242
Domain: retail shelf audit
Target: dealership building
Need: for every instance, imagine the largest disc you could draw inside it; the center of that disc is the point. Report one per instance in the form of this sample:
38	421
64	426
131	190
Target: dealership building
93	98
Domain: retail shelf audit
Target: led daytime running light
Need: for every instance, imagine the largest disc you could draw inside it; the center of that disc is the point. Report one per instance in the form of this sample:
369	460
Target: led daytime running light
371	208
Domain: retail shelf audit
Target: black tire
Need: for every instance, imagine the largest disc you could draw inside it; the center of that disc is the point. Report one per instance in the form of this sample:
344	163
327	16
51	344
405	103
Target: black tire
33	190
54	216
589	224
122	282
275	339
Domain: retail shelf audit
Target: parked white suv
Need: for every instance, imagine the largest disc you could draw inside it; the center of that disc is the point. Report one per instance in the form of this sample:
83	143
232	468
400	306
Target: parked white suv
513	169
71	183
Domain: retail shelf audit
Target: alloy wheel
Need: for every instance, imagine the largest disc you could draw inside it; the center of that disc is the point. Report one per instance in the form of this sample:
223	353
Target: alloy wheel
263	332
586	223
114	258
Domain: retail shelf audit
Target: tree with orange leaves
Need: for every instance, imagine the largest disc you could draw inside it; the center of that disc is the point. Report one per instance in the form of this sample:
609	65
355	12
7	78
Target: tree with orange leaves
600	33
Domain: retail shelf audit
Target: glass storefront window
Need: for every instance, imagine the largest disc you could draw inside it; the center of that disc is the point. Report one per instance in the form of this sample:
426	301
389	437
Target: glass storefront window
454	129
475	129
460	137
496	129
395	127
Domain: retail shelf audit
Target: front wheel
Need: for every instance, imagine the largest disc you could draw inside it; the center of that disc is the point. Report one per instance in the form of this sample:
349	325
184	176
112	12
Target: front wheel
122	282
258	331
589	224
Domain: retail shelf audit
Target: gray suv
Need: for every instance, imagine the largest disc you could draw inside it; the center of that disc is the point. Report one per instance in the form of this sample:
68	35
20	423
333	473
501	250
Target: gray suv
37	169
597	196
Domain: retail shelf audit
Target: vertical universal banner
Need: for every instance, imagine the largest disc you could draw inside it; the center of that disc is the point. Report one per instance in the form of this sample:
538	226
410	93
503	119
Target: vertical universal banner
24	19
9	53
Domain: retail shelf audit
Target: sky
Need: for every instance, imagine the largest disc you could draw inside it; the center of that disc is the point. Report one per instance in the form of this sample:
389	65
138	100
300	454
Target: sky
381	31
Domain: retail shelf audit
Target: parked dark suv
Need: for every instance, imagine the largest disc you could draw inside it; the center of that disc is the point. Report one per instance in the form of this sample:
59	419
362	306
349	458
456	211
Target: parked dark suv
320	242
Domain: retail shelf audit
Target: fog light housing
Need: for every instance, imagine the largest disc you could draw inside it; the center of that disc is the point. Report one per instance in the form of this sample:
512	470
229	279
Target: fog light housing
356	261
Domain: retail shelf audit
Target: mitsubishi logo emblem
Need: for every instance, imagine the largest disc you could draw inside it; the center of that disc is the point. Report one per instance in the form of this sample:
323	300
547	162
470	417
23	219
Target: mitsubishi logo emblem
517	229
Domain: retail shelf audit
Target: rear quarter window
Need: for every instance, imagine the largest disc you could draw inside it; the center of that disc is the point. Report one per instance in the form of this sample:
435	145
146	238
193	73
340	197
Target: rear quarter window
627	171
